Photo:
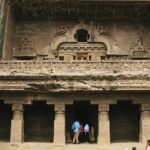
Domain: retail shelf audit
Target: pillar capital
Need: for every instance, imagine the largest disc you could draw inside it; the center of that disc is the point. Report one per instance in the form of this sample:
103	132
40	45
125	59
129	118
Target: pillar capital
103	107
59	107
17	107
145	107
17	111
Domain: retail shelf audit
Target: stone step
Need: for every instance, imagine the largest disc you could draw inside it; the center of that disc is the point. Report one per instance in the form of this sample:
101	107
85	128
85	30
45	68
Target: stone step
43	146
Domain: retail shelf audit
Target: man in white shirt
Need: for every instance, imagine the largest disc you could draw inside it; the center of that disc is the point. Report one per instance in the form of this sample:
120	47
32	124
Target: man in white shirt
86	132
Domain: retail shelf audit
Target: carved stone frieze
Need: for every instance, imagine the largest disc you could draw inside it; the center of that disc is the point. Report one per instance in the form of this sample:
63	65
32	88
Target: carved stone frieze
47	67
51	85
83	47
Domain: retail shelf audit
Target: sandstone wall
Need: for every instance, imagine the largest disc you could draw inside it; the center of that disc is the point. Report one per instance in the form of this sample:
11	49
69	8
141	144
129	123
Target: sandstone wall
3	11
42	34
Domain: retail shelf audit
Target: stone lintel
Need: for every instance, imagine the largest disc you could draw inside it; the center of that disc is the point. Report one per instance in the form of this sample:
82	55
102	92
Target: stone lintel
50	102
69	102
94	102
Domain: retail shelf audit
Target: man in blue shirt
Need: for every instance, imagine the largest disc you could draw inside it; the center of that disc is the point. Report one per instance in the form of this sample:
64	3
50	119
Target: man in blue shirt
76	130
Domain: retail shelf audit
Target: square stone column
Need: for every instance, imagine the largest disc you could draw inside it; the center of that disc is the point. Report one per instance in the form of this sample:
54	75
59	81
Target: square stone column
145	123
103	125
59	124
17	124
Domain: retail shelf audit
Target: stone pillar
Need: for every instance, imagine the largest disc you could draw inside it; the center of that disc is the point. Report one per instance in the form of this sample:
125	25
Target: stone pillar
17	124
145	123
103	125
59	124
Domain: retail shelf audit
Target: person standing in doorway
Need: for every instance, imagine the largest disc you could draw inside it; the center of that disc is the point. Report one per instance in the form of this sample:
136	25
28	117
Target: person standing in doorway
81	133
86	132
76	131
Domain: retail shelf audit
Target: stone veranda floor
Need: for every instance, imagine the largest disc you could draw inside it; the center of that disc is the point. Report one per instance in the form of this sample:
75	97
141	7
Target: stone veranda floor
47	146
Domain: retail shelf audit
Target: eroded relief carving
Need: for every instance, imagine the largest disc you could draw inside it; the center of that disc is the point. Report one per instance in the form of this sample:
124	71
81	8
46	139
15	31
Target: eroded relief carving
25	34
47	85
25	48
138	49
61	30
102	30
25	44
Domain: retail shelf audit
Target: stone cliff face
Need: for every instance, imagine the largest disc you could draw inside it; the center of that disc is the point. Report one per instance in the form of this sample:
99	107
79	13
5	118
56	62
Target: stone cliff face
61	52
3	12
48	30
73	51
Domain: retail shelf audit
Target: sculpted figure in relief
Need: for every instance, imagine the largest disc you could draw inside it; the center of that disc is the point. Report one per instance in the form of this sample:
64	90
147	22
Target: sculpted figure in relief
139	49
138	43
61	30
25	44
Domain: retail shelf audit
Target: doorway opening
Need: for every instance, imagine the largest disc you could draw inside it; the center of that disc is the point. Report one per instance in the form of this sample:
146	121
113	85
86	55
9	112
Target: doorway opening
82	35
39	122
5	121
124	122
84	112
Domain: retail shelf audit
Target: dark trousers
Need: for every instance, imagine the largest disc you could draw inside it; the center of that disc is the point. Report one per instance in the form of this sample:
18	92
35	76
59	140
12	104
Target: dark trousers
81	137
87	138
